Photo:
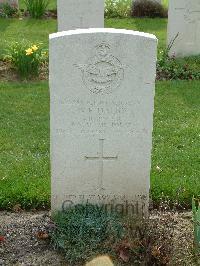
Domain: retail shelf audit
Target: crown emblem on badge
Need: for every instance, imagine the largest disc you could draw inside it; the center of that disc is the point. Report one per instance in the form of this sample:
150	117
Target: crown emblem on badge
103	73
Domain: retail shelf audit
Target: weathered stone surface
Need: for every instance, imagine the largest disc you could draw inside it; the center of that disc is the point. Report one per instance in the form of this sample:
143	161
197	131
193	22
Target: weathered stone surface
102	103
184	22
75	14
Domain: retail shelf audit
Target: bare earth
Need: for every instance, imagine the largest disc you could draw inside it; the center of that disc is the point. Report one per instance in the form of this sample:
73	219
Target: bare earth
23	247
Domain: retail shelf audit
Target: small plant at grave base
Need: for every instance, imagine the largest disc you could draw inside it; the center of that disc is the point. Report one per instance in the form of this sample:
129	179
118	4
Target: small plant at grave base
7	11
196	220
117	8
83	232
148	8
171	68
36	8
26	59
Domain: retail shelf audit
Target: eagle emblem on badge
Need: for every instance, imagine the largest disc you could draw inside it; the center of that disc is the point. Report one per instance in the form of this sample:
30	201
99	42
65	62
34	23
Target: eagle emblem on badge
103	73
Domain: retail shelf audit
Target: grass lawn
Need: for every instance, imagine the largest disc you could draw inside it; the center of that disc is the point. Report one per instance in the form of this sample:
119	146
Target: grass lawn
24	143
52	4
38	30
176	141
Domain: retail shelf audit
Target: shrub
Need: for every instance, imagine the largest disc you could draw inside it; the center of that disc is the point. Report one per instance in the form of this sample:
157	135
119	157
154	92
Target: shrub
117	8
36	8
83	231
169	68
26	58
148	8
7	10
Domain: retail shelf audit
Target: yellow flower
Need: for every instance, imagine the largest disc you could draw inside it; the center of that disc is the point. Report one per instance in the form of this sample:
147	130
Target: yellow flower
29	51
34	48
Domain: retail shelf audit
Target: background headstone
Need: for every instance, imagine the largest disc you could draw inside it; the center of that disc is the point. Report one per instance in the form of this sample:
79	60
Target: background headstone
13	3
75	14
184	21
102	103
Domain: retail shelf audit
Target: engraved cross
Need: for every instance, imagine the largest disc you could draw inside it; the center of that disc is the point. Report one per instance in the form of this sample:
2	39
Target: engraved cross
101	158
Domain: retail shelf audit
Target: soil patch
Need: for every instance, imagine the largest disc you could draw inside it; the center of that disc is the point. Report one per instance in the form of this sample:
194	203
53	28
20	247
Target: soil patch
25	243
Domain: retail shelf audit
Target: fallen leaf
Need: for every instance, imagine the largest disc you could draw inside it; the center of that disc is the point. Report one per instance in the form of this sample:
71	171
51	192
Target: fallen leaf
124	255
42	235
17	208
155	252
2	238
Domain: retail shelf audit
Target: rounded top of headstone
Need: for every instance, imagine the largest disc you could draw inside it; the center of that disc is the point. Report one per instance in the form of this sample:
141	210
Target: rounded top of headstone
102	30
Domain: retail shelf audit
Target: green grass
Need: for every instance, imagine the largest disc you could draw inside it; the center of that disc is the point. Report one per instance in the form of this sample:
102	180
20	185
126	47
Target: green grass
176	141
156	26
165	2
32	30
24	143
51	6
38	30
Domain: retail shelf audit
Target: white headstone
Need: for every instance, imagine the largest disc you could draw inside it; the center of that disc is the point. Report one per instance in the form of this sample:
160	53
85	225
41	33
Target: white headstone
102	103
13	3
184	22
80	14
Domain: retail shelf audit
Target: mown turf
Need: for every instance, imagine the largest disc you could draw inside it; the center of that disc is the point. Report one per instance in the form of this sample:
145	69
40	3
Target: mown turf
51	5
24	143
176	141
156	26
34	30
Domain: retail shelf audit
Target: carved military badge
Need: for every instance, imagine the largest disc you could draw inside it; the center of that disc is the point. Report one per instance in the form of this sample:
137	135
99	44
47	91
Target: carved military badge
103	73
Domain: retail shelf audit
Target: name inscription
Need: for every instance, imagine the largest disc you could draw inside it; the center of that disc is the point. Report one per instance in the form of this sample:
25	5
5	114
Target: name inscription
96	116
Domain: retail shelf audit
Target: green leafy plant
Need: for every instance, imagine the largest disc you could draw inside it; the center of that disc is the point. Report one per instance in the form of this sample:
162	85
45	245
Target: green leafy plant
26	58
7	10
36	8
196	220
117	8
83	231
148	8
171	68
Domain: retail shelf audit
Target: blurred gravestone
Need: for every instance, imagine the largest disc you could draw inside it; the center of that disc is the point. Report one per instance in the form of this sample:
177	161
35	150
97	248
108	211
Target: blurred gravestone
184	27
80	14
